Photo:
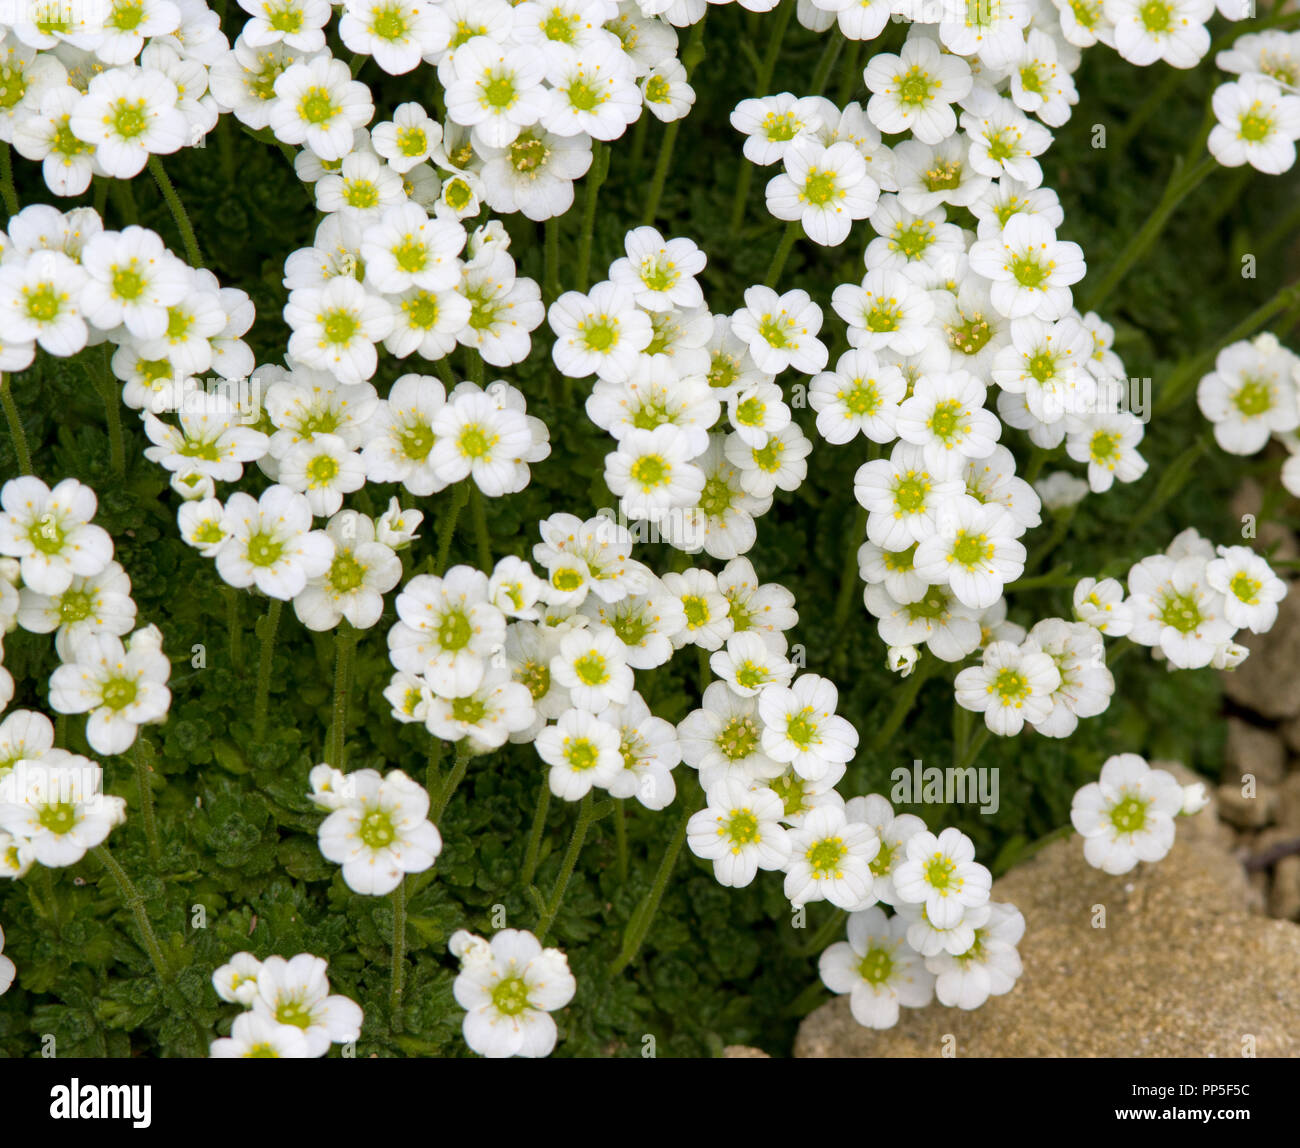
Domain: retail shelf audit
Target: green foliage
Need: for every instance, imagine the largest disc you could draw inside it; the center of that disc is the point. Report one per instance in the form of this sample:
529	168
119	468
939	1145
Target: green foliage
719	966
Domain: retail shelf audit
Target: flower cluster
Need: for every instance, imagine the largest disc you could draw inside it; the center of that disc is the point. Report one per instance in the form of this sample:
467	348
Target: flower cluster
508	987
1258	114
289	1009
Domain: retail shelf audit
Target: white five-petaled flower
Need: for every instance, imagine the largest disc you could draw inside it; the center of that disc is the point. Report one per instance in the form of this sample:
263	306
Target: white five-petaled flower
1127	815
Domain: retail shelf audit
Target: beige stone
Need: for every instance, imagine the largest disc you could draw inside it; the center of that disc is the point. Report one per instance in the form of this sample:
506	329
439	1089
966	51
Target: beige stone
744	1052
1252	812
1253	750
1288	809
1180	970
1268	682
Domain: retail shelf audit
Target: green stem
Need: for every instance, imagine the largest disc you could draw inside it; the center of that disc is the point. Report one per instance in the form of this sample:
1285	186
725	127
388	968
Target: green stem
131	899
107	386
179	214
1117	651
762	78
267	626
830	53
552	273
595	177
124	200
18	436
345	644
234	625
792	232
620	839
445	373
1181	183
141	756
433	761
447	526
849	580
481	536
534	848
645	912
638	147
660	177
7	190
567	866
850	74
457	775
828	931
973	747
474	366
905	694
51	901
1191	370
1060	528
399	956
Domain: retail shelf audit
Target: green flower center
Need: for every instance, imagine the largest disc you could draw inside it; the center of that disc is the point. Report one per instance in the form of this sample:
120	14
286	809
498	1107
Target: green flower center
421	310
128	119
1011	686
932	608
802	729
1156	15
717	497
741	828
528	154
322	470
776	330
584	97
915	87
738	738
781	126
591	669
581	754
1130	814
820	187
264	549
825	857
876	967
390	23
650	471
946	419
600	335
317	106
339	327
499	92
75	606
1254	398
1181	612
970	550
411	254
939	872
884	860
537	677
862	398
912	239
943	176
657	274
970	336
1246	588
59	818
1029	272
657	90
454	630
469	710
346	573
510	997
43	303
475	442
911	492
377	830
1104	447
128	283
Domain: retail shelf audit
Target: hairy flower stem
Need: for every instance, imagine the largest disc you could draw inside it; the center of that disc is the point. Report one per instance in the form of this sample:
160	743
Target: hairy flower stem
234	625
7	190
132	900
905	694
792	232
345	644
973	747
620	839
447	525
457	775
1191	370
107	386
825	934
567	866
639	926
534	847
595	177
142	758
826	62
434	760
551	276
399	956
1182	183
762	80
267	626
179	214
482	539
17	436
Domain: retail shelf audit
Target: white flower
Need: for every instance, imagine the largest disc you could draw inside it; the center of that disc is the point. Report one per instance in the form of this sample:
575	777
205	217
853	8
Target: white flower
297	23
748	665
659	272
255	1036
270	543
1176	608
1046	362
131	279
740	832
1127	815
401	435
397	33
406	249
650	751
1014	685
592	90
583	750
408	139
534	173
771	123
1086	684
1195	798
723	738
830	860
651	474
324	470
1101	604
1040	79
592	666
665	91
475	438
508	993
50	532
56	809
916	90
974	550
335	328
1108	444
1250	589
129	113
1250	395
496	89
993	31
447	629
98	604
941	873
319	104
1061	490
598	333
888	311
1031	269
945	417
860	396
1169	30
893	831
380	833
1257	125
781	330
990	967
877	968
40	301
236	981
498	708
296	992
825	188
361	572
800	726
